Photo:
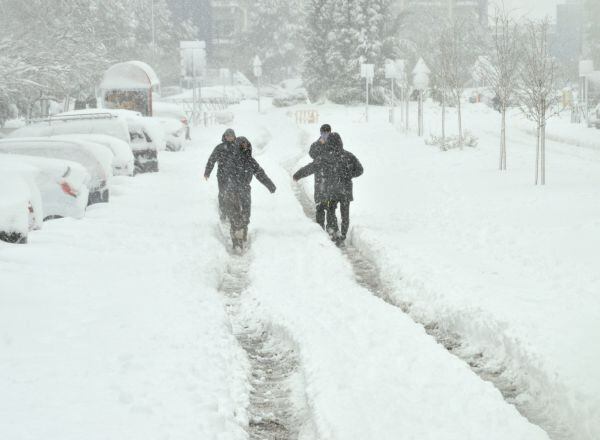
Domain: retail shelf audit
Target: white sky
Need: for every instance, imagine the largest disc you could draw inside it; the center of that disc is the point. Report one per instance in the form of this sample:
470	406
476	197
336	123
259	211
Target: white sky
534	8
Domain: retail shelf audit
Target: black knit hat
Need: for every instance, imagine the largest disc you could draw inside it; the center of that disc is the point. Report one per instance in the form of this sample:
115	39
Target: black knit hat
325	128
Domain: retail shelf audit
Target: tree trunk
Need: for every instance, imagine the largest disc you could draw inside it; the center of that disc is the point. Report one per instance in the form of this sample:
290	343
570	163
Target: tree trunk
503	140
537	155
443	117
543	148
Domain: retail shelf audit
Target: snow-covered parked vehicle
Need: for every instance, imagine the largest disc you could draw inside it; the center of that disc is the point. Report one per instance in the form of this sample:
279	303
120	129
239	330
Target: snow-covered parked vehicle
174	122
123	160
63	184
95	158
98	121
144	138
20	204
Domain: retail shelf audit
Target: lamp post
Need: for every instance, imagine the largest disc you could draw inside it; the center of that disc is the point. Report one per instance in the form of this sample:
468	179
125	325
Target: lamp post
367	71
257	64
421	82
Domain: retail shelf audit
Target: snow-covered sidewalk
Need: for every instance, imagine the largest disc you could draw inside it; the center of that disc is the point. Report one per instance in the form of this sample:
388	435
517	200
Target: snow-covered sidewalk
111	327
510	267
370	371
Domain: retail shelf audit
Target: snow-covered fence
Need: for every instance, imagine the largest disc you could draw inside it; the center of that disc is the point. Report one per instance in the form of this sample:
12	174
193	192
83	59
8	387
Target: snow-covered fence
306	116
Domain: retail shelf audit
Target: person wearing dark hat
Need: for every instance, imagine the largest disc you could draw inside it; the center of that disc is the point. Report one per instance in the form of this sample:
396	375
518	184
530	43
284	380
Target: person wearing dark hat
317	148
239	172
221	155
336	167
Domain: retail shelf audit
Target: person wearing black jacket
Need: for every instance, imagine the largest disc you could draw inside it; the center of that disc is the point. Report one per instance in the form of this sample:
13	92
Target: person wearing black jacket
316	149
221	155
336	168
239	171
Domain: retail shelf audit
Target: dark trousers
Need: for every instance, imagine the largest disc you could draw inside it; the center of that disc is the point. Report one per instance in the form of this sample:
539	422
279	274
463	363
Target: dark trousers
328	210
238	206
222	203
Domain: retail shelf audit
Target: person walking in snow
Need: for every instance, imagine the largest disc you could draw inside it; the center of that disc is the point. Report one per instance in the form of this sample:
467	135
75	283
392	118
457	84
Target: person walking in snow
336	167
221	155
239	171
317	148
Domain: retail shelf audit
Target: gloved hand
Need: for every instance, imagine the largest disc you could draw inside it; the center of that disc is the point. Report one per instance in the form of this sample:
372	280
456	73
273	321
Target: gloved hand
272	189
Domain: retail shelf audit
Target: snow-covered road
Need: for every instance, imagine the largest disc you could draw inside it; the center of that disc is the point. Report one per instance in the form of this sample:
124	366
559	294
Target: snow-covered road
147	328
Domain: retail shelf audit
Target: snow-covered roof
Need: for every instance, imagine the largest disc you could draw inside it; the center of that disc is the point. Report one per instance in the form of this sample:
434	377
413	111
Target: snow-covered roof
130	75
154	81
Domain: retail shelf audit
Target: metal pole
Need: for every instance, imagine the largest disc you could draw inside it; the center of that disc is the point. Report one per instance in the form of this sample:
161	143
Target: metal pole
258	92
407	114
402	105
586	87
153	34
367	98
420	113
393	103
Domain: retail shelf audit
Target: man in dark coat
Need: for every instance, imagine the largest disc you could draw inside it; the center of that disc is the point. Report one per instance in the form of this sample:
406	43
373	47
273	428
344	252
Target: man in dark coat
336	167
239	172
221	155
317	149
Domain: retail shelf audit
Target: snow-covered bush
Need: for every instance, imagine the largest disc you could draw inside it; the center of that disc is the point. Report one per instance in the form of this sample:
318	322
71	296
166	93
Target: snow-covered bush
453	142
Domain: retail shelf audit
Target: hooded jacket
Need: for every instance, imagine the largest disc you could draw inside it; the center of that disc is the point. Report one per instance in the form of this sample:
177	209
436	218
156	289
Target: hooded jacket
222	154
334	170
242	167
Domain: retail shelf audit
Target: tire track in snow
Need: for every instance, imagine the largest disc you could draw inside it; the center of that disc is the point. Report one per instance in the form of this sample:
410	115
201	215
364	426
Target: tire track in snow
514	391
277	405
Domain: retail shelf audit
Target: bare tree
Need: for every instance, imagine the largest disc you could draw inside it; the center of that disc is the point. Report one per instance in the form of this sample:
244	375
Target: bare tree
537	90
457	54
501	71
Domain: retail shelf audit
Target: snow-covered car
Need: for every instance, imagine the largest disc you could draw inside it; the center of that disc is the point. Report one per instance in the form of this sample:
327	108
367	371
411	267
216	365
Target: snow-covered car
63	184
173	119
95	158
144	137
90	122
123	160
20	204
98	121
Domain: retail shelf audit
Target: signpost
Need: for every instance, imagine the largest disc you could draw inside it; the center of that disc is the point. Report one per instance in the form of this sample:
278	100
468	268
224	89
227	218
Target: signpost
421	82
586	68
367	71
257	64
391	73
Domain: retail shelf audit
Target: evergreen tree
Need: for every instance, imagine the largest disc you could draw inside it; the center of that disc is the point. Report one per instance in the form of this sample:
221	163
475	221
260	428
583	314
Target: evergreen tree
317	73
352	29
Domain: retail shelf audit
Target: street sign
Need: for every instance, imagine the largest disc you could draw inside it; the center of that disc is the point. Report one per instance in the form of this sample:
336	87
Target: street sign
367	71
421	75
257	65
193	58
